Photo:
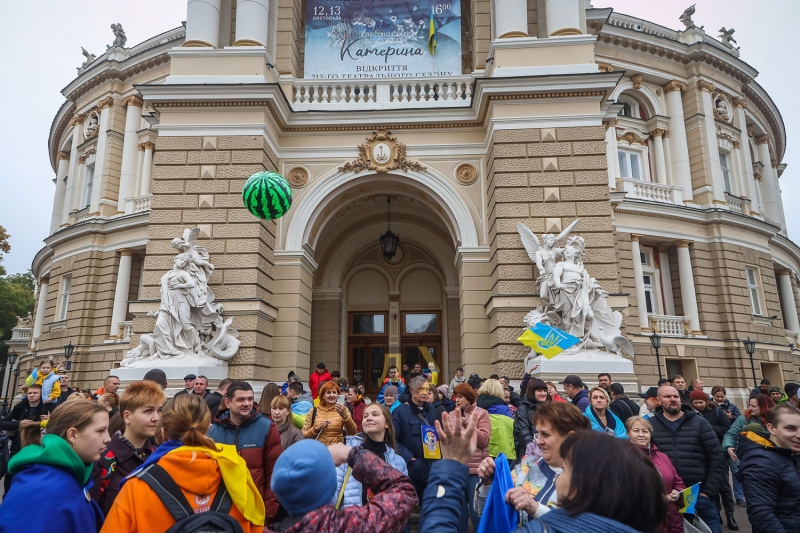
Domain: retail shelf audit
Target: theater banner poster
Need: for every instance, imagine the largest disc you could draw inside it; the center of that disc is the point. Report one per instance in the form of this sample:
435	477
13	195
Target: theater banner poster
348	39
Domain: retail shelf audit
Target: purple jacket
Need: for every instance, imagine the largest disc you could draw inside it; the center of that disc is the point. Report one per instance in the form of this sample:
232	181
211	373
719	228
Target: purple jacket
672	481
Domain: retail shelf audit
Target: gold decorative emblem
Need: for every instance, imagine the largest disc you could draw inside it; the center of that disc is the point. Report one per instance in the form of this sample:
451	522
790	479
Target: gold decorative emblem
466	173
381	153
298	176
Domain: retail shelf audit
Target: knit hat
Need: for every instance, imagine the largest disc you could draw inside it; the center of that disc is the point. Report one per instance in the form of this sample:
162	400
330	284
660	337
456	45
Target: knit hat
698	395
443	390
391	389
426	370
775	388
467	392
304	477
791	389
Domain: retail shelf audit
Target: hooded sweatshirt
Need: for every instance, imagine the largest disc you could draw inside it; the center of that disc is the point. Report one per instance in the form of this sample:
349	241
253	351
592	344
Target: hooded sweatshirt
36	470
198	472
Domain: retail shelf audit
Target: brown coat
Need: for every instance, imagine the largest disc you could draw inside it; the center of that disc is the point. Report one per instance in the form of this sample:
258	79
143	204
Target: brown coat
333	433
289	433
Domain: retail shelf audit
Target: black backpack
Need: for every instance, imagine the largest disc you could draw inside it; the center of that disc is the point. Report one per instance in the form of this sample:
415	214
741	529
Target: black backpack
215	520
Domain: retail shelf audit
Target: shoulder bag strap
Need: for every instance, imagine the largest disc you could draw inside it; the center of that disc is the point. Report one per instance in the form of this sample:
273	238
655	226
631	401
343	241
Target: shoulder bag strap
344	486
222	501
167	491
313	416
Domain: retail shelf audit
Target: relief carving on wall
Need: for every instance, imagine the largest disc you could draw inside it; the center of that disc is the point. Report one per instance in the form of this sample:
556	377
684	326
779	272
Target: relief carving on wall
381	153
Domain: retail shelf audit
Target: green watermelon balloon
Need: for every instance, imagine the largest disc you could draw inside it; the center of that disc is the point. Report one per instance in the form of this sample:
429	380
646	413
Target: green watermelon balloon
267	195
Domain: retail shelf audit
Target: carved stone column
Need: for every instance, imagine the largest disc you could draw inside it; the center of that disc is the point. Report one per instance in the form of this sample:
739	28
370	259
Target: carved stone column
612	156
638	275
678	147
41	303
120	309
769	181
660	163
788	303
130	152
252	23
101	160
73	189
563	17
688	294
715	179
61	189
202	23
147	167
747	178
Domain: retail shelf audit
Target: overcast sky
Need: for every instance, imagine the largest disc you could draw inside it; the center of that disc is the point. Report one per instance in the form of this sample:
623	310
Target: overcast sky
43	40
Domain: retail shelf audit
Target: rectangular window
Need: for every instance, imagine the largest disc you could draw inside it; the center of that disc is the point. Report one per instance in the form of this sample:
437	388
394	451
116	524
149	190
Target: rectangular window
630	165
369	324
89	185
726	173
422	323
752	288
649	294
66	283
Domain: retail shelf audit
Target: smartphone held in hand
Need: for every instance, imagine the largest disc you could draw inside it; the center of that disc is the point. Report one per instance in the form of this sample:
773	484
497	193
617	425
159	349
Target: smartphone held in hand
340	400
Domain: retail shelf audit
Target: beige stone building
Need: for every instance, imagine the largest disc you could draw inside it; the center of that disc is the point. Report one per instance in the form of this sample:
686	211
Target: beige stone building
661	141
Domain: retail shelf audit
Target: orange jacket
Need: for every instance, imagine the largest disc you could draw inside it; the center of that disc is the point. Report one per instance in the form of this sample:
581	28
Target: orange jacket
138	509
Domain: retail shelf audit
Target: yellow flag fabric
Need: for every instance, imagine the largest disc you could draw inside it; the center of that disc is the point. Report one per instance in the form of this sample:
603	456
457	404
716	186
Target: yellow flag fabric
547	340
432	34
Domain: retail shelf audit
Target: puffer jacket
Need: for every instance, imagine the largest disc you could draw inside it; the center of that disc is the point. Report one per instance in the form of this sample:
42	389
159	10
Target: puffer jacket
693	449
259	443
718	420
408	434
387	511
727	405
502	437
353	489
483	431
523	427
333	433
771	481
672	481
731	437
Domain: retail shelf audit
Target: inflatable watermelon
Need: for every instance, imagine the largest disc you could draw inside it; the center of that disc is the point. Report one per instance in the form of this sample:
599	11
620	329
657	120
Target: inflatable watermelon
267	195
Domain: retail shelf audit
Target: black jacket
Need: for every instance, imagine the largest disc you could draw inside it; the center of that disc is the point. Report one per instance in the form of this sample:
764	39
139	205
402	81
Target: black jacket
622	407
718	420
523	427
23	411
213	403
693	448
685	400
117	461
408	434
771	481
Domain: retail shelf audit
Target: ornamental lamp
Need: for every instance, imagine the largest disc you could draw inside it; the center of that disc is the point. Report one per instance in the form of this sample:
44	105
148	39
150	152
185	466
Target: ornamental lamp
389	240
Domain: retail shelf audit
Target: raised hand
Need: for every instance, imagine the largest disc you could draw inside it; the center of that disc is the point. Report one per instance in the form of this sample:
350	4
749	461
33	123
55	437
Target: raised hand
486	471
457	443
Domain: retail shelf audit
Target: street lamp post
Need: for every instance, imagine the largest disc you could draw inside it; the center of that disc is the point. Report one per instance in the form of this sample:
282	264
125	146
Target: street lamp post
12	358
750	348
655	340
68	349
14	388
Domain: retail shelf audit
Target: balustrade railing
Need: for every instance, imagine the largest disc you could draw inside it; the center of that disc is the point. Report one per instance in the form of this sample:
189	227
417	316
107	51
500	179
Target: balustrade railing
674	326
142	203
125	329
737	204
653	192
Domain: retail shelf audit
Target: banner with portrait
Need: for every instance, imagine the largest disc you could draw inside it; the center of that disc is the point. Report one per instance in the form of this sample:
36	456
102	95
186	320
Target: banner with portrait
350	39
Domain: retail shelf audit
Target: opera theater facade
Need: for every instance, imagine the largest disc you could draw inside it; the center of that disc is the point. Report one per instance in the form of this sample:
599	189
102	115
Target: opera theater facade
446	124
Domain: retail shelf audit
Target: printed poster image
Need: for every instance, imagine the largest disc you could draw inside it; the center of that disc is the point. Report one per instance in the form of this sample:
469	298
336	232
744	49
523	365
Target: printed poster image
350	39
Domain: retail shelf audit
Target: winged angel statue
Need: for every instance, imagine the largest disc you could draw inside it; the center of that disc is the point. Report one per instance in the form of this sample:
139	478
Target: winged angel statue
572	300
189	324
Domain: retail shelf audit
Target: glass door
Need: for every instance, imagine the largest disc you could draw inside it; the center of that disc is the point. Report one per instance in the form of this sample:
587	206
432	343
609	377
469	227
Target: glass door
368	345
421	340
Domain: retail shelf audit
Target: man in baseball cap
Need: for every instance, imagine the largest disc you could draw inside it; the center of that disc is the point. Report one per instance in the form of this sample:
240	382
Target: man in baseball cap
188	383
573	386
648	408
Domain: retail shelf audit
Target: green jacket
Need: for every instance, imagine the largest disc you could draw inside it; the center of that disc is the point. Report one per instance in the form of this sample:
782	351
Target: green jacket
501	439
731	438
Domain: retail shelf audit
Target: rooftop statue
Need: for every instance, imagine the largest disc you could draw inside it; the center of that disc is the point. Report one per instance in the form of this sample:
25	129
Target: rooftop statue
726	36
189	325
686	17
572	300
89	57
119	35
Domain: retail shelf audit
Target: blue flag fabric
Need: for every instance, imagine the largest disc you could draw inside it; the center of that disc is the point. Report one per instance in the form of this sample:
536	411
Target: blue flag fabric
498	516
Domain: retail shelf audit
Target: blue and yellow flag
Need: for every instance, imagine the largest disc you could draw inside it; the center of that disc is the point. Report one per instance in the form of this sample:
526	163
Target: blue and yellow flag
432	35
547	340
690	496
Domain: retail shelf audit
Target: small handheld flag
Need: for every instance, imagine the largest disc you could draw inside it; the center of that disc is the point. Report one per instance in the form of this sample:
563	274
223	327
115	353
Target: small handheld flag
690	496
432	35
547	340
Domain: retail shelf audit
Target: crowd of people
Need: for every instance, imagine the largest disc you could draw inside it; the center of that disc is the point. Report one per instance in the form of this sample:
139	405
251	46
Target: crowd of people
332	459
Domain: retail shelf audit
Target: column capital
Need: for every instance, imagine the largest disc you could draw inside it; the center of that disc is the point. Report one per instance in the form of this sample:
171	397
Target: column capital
63	156
674	86
706	86
763	139
77	119
658	132
147	145
44	280
133	100
125	252
683	243
108	101
739	102
636	236
783	271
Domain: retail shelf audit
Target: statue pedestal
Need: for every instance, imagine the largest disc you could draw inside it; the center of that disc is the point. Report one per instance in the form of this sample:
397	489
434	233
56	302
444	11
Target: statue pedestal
587	364
175	375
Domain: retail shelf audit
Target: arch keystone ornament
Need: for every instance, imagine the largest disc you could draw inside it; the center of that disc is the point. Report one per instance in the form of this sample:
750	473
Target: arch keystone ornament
381	153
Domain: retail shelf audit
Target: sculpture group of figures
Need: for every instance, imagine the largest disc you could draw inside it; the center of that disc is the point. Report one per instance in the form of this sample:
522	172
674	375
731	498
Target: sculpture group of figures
572	300
189	324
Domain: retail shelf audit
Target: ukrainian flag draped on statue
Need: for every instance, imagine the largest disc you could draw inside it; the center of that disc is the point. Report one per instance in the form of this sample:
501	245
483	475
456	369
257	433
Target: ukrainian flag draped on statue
547	340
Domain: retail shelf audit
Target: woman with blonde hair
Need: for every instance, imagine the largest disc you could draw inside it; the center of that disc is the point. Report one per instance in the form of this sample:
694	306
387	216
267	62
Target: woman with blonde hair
270	391
327	421
281	410
600	415
501	440
77	433
191	469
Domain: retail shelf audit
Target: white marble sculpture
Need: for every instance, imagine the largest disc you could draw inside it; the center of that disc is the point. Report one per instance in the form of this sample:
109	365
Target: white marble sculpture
189	325
686	17
726	36
89	57
572	300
